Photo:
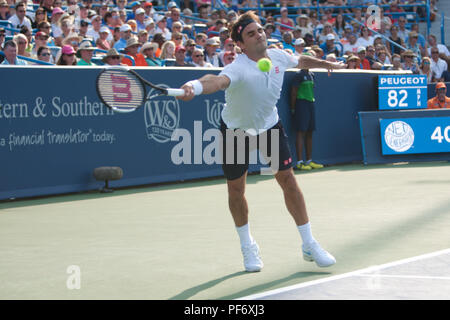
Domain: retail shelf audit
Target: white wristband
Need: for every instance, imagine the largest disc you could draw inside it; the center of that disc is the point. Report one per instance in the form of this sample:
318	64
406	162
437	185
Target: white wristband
197	86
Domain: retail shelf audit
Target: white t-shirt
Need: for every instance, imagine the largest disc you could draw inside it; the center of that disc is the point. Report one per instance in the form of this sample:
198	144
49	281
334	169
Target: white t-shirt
252	94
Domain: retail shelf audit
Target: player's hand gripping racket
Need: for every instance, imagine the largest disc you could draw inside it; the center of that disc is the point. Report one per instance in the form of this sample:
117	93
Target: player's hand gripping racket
123	90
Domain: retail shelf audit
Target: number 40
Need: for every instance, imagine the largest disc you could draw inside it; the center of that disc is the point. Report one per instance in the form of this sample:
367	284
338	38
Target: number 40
437	134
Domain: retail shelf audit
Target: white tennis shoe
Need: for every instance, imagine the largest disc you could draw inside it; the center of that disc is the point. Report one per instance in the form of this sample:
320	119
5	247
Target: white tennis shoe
314	252
252	260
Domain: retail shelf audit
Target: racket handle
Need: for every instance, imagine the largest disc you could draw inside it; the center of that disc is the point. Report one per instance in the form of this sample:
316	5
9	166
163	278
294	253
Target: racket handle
175	92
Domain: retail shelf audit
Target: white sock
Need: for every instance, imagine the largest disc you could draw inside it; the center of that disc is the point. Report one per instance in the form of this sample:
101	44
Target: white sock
244	235
306	234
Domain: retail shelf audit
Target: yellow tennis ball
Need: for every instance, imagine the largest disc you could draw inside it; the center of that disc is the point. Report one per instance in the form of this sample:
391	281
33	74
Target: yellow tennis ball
264	64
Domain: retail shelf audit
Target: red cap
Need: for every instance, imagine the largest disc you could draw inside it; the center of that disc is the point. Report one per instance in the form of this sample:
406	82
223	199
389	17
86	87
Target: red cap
178	48
440	85
148	4
40	33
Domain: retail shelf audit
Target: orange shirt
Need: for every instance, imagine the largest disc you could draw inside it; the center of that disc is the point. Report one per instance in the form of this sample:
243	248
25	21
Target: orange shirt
434	103
139	60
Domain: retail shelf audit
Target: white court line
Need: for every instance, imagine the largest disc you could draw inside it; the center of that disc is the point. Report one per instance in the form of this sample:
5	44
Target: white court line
344	275
401	276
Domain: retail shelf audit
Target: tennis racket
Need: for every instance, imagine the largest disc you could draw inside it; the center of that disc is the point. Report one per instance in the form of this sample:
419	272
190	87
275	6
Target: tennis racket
123	90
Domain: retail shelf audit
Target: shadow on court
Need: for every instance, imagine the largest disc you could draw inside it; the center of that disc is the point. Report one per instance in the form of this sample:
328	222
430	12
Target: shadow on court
191	292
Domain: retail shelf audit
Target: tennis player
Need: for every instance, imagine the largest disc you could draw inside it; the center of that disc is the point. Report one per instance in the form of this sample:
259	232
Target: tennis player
251	96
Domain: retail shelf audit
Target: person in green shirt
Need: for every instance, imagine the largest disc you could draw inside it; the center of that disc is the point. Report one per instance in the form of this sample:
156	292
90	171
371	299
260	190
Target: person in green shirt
303	109
84	53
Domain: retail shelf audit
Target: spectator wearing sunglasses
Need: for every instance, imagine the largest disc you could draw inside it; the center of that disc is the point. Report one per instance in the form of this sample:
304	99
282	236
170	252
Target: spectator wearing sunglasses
2	37
67	57
425	69
5	13
149	50
198	59
19	19
440	101
44	54
112	58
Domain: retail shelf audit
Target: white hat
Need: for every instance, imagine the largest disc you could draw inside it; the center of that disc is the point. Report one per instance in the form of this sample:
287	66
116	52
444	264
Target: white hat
125	27
149	21
104	29
299	42
330	36
139	11
360	49
159	18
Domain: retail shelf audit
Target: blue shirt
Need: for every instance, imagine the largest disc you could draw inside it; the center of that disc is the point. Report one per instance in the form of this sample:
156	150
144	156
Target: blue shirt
17	62
120	45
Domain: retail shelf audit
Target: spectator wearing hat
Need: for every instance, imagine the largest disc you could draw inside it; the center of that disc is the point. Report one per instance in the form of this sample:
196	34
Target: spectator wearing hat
229	46
148	50
353	62
271	31
299	45
150	27
85	53
364	63
329	46
94	30
198	59
139	16
413	45
103	42
134	6
142	37
438	65
40	40
224	34
302	23
228	57
200	40
409	62
285	20
125	34
149	10
440	101
5	13
211	55
180	56
112	58
132	49
10	52
19	19
161	26
57	14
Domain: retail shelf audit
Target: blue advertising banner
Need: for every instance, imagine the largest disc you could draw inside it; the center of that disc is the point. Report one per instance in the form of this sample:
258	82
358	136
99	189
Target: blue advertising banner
400	92
415	135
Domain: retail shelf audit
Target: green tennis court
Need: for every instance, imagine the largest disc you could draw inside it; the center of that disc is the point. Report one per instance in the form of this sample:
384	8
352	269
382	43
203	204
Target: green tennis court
177	241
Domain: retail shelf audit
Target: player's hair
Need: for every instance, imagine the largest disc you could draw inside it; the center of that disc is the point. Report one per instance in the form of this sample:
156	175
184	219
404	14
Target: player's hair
239	25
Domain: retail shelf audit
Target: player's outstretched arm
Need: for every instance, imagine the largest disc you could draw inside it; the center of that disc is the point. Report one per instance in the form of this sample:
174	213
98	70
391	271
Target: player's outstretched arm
308	62
207	84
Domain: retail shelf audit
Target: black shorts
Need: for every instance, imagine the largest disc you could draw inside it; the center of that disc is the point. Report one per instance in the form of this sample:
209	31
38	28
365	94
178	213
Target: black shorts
236	166
304	117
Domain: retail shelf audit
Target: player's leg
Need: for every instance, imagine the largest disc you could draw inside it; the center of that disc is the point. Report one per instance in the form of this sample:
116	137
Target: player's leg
236	175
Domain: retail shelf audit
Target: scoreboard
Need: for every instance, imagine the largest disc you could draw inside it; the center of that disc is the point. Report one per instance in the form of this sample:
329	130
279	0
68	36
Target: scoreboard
400	92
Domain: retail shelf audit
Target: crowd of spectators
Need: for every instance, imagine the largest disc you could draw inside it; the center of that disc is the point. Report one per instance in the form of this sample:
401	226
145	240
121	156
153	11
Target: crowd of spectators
193	34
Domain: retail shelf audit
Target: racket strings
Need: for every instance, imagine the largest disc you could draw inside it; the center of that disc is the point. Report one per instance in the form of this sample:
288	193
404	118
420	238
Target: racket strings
120	90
